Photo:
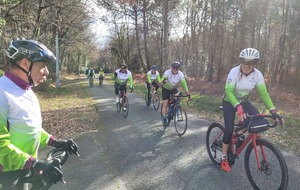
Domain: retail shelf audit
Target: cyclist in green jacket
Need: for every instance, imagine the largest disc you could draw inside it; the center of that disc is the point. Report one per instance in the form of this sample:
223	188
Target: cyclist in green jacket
21	132
170	80
121	77
153	78
241	80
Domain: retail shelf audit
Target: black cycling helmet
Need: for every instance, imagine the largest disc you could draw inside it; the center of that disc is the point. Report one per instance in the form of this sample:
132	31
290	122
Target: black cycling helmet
29	49
154	67
176	65
123	66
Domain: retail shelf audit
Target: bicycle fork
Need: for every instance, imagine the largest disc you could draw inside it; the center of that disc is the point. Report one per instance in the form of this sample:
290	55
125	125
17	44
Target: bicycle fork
257	156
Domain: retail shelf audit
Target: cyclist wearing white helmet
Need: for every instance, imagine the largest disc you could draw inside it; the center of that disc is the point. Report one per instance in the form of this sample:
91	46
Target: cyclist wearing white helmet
170	79
21	132
121	77
241	80
153	78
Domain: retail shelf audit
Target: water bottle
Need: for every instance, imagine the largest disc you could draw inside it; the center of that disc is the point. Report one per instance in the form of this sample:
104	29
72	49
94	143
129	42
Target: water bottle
240	141
121	100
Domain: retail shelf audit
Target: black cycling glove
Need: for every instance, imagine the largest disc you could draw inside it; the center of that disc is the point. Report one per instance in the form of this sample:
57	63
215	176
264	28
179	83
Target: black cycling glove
275	116
49	170
70	145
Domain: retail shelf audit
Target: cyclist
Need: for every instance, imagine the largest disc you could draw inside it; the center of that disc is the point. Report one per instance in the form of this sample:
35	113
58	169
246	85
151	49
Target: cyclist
21	132
91	76
121	76
241	80
153	78
101	76
170	80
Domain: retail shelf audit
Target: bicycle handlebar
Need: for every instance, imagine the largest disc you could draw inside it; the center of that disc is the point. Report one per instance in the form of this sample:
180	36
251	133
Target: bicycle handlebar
59	154
258	116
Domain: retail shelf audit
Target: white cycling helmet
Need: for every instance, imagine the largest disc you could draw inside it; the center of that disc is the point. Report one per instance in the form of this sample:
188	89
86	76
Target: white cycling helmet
249	54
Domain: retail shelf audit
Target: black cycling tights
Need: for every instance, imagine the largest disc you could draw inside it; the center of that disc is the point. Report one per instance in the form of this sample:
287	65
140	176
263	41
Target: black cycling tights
229	117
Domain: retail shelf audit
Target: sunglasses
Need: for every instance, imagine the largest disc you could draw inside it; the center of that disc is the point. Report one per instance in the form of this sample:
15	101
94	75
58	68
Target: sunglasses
249	63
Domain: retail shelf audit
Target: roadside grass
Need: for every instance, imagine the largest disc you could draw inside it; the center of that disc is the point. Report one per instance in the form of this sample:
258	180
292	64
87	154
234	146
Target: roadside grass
207	107
69	110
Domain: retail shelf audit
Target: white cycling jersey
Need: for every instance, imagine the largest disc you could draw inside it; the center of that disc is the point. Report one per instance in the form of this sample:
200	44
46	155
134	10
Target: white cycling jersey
153	76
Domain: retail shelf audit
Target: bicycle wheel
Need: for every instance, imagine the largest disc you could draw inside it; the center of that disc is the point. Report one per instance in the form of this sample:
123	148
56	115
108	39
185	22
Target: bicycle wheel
180	120
273	173
214	136
146	99
118	107
125	107
156	101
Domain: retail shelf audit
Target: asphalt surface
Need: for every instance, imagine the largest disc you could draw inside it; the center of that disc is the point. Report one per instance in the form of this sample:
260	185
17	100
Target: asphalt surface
137	153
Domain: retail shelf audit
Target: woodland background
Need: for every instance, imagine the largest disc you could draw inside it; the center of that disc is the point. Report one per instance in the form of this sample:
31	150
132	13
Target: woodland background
206	36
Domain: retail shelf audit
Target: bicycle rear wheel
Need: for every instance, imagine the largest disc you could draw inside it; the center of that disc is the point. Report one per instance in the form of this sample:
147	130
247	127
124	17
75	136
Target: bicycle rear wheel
273	173
180	120
125	107
156	101
214	136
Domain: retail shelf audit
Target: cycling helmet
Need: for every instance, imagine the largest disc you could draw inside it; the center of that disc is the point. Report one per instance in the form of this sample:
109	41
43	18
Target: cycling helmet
249	54
29	49
123	66
154	67
176	65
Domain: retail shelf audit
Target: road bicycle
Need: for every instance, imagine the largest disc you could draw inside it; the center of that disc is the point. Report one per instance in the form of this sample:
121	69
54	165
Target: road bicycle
123	103
177	113
154	98
264	164
33	181
101	78
91	81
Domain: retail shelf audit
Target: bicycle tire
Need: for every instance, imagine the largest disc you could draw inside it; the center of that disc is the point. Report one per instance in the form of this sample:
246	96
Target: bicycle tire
180	120
156	103
146	99
118	107
125	104
264	179
214	136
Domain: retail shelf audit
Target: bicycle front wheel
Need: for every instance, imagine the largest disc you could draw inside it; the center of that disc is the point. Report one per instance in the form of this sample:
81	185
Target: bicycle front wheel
273	173
156	101
125	107
118	107
214	136
180	120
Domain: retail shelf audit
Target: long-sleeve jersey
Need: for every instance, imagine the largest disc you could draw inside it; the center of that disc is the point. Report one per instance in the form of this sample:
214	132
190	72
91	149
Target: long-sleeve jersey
122	78
21	131
172	80
153	76
239	86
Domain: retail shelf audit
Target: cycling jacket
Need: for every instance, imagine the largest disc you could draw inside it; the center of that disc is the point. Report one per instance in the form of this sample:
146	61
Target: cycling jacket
172	80
239	86
122	78
21	131
151	77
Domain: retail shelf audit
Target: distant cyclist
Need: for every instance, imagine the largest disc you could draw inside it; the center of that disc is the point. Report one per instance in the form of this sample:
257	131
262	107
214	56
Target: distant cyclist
241	80
91	76
153	78
170	80
121	77
101	76
21	132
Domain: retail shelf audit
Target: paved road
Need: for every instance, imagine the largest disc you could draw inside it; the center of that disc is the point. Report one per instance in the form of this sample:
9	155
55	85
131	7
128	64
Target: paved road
136	153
